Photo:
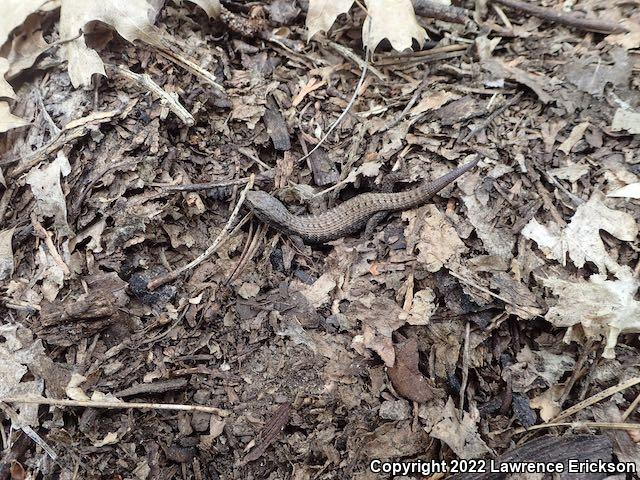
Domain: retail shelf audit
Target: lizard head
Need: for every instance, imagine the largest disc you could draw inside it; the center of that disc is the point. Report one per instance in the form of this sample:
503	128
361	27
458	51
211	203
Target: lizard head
267	208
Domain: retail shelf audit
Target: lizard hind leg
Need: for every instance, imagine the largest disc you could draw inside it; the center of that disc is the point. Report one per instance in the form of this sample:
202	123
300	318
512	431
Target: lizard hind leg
372	223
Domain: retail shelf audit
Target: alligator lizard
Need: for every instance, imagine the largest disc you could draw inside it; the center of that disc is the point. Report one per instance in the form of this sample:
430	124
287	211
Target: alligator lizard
349	216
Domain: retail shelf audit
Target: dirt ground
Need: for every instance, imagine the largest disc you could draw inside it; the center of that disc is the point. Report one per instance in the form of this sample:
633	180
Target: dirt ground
508	303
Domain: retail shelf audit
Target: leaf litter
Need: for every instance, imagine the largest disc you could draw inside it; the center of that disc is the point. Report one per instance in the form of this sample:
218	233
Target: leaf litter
455	325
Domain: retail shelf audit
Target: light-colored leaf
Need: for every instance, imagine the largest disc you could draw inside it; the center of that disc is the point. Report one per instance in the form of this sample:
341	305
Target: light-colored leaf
628	191
14	13
322	14
626	120
45	185
394	20
581	238
6	253
604	308
6	90
133	19
8	120
212	7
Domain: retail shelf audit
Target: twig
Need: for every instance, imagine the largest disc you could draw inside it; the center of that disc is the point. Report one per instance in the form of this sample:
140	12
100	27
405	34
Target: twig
491	117
465	365
169	277
342	115
350	55
611	425
187	64
411	103
46	236
147	82
447	13
120	405
596	398
569	19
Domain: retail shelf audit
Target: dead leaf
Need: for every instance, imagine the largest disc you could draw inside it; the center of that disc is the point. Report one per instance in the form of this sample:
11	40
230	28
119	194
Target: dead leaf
628	191
626	120
132	19
6	90
460	433
590	75
581	238
323	13
433	101
604	308
18	354
14	13
405	376
6	253
432	234
574	137
45	186
9	120
394	20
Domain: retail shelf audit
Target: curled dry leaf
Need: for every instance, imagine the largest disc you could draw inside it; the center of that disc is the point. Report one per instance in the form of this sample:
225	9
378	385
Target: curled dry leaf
604	308
405	376
581	238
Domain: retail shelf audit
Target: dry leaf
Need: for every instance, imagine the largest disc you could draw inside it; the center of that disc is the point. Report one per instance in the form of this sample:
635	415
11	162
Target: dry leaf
405	376
6	253
423	306
18	353
322	14
433	101
9	120
133	20
433	236
626	120
628	191
394	20
574	137
460	434
14	13
604	308
45	185
581	238
6	90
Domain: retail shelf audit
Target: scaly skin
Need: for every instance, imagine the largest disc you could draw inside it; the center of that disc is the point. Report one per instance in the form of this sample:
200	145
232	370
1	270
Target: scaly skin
349	216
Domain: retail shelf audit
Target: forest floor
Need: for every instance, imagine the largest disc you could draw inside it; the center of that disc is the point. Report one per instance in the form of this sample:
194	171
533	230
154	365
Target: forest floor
507	304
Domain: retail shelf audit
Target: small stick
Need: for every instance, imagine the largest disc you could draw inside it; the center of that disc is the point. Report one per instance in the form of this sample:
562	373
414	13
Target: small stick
492	116
145	81
169	277
581	425
350	55
439	11
596	398
568	19
60	402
